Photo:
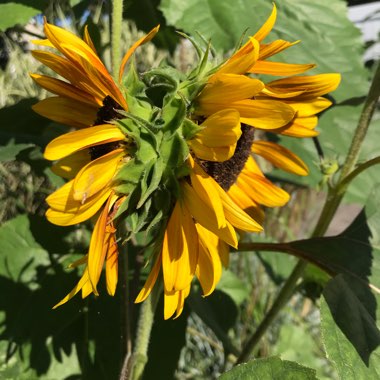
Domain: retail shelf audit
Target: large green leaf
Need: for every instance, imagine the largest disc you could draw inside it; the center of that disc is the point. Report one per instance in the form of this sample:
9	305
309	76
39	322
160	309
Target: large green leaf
340	351
272	368
19	12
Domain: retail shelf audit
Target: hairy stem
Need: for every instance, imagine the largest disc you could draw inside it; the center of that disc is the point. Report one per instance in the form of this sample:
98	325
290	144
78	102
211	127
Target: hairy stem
333	200
117	18
144	328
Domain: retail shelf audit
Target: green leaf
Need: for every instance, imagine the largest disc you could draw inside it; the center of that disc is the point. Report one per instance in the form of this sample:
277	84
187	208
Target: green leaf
19	251
11	150
272	368
339	350
18	12
234	287
353	309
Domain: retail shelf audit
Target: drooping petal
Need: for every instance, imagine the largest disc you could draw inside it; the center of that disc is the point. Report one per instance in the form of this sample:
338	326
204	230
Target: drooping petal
112	265
209	268
71	142
65	111
141	41
280	157
151	280
205	215
83	280
300	127
99	244
96	175
65	211
69	166
236	216
207	189
179	256
64	89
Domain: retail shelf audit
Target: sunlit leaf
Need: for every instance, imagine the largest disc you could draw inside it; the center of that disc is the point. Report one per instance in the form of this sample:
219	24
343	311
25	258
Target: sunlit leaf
272	368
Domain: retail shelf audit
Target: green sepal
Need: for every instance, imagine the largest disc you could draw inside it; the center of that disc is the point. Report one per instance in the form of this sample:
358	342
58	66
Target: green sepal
167	77
156	172
190	129
173	114
131	81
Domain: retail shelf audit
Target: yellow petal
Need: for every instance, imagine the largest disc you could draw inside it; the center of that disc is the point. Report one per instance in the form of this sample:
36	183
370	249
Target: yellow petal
268	25
88	40
71	72
217	140
141	41
236	216
300	127
262	190
151	280
179	254
279	68
64	89
206	216
71	142
112	266
246	203
207	189
280	157
273	48
264	114
96	175
65	111
227	88
220	129
65	211
69	166
309	107
98	246
224	253
312	85
241	61
171	302
218	154
83	280
209	268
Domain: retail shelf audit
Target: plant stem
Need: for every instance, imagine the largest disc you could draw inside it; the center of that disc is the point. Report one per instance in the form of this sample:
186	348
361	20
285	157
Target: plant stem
117	18
334	197
125	318
144	328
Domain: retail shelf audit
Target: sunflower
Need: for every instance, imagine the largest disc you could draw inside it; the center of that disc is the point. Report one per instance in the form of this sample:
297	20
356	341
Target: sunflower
228	107
91	156
286	106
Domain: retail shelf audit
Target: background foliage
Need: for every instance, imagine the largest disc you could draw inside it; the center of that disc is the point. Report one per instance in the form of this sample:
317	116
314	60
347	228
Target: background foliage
81	340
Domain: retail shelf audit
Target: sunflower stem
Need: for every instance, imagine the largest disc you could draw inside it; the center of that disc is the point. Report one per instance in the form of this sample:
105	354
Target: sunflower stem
125	309
117	19
144	328
332	202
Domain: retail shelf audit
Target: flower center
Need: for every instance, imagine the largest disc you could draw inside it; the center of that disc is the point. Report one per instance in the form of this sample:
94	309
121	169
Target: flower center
108	111
227	172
